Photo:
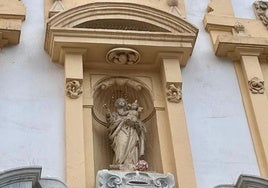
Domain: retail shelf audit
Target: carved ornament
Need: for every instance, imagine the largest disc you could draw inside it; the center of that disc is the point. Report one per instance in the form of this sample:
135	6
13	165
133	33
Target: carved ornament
73	89
56	8
261	10
109	179
174	93
239	27
256	85
123	56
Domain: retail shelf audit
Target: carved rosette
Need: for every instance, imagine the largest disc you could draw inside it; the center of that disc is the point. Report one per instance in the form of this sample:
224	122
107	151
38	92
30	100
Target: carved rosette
174	93
256	85
123	56
261	10
73	89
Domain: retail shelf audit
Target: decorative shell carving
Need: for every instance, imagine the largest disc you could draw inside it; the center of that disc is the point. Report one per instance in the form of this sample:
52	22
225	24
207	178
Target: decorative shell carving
261	10
256	85
174	93
123	56
73	89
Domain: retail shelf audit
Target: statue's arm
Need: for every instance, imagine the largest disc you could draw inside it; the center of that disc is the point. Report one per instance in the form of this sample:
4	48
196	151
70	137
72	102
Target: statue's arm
108	114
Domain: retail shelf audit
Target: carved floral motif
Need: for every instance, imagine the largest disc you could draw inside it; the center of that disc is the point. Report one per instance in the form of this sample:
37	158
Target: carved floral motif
73	89
174	93
256	85
123	56
261	10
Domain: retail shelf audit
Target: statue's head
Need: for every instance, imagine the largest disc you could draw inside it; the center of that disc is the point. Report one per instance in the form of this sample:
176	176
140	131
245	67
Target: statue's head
135	105
120	103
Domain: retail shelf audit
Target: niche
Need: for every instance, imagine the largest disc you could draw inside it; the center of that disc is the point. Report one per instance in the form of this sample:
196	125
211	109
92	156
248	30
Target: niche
106	91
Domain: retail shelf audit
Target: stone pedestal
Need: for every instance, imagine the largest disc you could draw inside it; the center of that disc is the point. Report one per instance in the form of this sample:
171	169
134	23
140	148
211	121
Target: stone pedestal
109	179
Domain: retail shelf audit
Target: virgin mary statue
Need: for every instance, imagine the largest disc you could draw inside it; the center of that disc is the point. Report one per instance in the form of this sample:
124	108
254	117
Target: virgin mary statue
126	131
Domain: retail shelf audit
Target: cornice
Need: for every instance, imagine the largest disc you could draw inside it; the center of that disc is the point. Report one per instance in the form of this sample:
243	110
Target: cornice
235	46
12	14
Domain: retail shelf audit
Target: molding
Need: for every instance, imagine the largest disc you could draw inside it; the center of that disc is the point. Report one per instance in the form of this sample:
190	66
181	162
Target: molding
12	14
235	46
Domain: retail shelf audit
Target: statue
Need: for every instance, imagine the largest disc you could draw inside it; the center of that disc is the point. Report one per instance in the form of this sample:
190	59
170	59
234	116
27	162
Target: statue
127	134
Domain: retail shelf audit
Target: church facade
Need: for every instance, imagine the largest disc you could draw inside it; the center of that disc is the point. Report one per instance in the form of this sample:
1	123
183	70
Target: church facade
155	87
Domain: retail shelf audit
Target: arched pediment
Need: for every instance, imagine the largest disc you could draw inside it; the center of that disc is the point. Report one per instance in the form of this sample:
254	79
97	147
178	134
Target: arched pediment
101	26
97	13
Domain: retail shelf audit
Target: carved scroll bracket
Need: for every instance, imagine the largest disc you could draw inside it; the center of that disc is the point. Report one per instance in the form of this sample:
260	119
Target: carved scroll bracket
73	89
174	93
256	85
239	27
109	179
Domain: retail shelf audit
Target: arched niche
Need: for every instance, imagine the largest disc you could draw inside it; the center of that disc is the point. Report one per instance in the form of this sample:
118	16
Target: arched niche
106	91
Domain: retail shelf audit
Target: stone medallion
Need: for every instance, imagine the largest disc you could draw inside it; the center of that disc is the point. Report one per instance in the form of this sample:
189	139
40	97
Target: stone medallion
123	56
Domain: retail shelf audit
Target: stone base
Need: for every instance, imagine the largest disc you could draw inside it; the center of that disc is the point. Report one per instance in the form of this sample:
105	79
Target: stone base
112	178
